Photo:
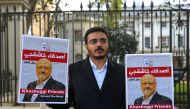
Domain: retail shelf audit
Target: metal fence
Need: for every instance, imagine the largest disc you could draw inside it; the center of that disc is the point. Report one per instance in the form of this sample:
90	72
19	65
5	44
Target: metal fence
159	29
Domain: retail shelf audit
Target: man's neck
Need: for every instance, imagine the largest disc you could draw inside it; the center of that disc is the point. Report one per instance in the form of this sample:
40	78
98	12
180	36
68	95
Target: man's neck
147	97
99	62
40	82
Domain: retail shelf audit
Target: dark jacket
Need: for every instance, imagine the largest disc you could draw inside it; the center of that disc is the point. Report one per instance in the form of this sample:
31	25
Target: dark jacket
50	84
156	99
84	92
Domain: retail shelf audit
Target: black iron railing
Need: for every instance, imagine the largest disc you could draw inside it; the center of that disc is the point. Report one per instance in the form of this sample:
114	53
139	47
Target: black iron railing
158	29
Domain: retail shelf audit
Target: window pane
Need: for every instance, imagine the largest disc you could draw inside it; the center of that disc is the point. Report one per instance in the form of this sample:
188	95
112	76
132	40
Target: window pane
77	35
163	24
164	41
147	24
78	57
180	41
147	42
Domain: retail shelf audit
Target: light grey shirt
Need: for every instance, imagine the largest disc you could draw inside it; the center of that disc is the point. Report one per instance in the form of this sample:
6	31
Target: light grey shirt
39	86
99	73
148	100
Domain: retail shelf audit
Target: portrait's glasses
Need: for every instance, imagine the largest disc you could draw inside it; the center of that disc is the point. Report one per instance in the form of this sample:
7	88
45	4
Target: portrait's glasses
101	40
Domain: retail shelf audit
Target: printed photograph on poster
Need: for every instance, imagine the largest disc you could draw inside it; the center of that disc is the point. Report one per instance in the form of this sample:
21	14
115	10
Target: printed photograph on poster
43	70
149	81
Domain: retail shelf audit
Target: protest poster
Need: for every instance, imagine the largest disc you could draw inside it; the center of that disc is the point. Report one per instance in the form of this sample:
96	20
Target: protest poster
43	70
149	81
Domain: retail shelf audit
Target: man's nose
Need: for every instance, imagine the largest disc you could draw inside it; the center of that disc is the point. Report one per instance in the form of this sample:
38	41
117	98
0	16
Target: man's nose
42	69
99	43
147	85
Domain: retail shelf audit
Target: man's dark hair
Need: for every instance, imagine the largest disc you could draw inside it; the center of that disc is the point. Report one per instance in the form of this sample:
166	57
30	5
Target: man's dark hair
92	30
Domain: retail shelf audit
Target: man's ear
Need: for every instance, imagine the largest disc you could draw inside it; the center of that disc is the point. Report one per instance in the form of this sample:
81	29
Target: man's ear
85	45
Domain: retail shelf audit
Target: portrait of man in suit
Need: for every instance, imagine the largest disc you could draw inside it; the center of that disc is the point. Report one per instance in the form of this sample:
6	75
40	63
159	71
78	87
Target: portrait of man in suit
151	96
46	82
96	82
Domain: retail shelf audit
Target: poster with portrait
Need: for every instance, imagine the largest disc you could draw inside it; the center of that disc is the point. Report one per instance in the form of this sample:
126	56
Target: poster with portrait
149	81
43	70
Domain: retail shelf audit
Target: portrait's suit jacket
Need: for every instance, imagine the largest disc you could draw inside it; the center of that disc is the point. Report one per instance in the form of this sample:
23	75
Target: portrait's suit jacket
50	84
156	99
84	92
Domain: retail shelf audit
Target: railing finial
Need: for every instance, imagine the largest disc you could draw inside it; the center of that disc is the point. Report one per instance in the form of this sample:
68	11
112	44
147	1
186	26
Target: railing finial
134	5
125	5
81	6
142	5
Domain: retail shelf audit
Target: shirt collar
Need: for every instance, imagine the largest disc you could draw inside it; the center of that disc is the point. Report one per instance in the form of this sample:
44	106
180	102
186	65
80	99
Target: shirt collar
95	67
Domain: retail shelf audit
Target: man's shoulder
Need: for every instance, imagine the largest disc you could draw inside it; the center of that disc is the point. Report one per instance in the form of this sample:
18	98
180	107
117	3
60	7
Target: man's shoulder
56	83
78	63
83	62
117	66
165	98
162	99
138	100
32	83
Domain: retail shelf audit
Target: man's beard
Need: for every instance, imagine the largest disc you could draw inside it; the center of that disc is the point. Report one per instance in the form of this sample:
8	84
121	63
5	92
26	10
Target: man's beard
148	92
98	50
101	56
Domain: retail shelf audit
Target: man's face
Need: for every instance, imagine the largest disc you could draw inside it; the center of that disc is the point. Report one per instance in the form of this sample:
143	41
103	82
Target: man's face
148	85
97	45
43	69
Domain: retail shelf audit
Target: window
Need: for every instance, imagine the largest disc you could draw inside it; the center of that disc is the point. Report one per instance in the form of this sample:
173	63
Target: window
147	24
147	42
164	41
180	41
163	24
77	35
78	57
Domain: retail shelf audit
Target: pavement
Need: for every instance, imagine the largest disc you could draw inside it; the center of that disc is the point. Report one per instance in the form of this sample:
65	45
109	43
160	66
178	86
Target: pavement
25	106
31	106
19	107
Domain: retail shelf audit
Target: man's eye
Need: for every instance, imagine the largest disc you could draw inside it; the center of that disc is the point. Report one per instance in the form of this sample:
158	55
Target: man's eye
103	40
39	67
93	41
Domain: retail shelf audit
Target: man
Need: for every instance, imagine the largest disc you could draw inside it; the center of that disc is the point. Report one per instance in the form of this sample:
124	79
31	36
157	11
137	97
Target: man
45	81
151	96
96	82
